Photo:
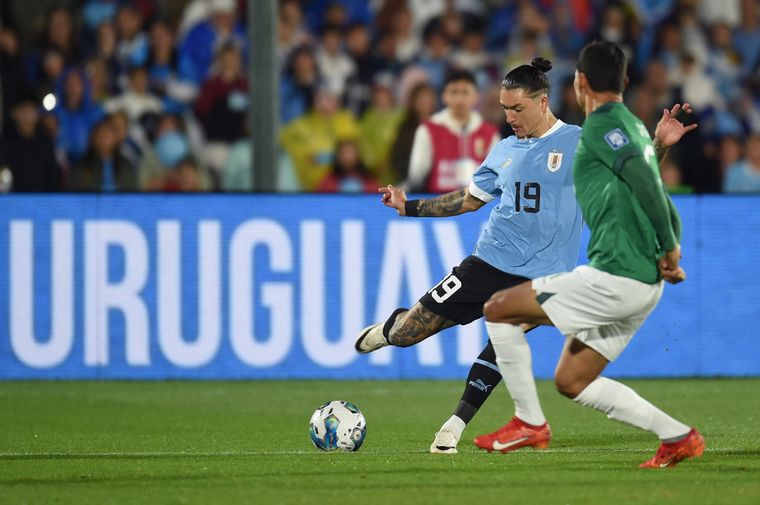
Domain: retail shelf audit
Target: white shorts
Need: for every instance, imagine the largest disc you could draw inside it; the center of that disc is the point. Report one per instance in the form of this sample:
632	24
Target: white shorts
600	309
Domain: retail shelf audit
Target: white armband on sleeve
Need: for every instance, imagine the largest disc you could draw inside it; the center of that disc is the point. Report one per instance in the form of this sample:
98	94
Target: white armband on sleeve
479	193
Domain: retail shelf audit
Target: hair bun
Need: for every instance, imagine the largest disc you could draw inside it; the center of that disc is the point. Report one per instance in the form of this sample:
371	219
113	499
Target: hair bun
541	64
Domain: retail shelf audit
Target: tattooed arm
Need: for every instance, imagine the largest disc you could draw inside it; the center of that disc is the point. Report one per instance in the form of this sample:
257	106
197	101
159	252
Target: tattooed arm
450	204
660	150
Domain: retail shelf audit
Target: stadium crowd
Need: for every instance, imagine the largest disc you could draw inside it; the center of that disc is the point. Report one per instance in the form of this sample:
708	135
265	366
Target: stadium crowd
119	95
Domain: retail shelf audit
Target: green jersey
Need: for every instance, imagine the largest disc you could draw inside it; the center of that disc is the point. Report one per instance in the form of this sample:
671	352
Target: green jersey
624	240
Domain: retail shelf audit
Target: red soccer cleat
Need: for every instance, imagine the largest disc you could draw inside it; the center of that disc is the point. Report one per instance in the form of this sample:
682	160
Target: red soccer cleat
514	435
669	455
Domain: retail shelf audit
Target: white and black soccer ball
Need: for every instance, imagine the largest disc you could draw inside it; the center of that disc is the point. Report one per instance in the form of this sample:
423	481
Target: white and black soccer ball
338	425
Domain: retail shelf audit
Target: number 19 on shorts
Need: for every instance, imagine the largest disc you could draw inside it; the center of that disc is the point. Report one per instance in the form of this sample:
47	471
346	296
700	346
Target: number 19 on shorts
444	289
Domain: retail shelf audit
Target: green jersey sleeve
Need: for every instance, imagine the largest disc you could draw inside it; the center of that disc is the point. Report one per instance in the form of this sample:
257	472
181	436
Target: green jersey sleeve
675	219
651	198
630	155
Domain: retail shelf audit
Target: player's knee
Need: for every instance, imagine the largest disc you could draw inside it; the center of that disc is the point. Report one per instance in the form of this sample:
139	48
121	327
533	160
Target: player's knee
496	310
567	385
492	310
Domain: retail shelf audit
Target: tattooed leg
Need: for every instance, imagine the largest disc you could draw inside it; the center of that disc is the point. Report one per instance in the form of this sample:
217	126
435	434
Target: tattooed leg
415	325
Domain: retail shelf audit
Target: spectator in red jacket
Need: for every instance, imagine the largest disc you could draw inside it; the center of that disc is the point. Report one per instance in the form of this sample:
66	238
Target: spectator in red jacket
450	145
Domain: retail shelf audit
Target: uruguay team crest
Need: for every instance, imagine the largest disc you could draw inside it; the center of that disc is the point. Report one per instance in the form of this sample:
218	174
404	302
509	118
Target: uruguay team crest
554	161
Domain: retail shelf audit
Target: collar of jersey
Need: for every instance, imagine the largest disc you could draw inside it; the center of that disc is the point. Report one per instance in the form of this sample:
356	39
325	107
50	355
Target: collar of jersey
557	125
553	129
605	107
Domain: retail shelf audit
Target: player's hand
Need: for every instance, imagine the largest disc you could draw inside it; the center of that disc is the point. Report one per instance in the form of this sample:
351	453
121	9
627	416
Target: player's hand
669	129
394	197
668	266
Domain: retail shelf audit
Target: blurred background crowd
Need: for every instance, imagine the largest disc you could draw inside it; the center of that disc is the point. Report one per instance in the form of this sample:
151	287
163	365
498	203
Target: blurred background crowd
138	95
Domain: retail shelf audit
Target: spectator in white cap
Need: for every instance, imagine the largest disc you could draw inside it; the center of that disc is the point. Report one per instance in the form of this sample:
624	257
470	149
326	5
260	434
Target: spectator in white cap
196	51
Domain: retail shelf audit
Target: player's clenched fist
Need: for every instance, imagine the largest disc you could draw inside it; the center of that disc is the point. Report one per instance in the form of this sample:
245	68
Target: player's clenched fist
669	269
394	198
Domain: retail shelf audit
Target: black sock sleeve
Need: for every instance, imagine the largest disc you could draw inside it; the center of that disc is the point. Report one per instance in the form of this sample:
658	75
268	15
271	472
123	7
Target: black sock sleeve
484	376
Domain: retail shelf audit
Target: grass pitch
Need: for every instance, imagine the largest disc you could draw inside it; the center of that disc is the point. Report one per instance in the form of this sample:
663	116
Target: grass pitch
247	442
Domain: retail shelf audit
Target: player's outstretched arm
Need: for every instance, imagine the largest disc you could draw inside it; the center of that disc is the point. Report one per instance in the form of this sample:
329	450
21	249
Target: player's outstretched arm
449	204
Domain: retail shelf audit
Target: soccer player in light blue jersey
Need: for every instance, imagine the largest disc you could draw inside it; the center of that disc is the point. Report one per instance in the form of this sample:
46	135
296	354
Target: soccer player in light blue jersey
534	230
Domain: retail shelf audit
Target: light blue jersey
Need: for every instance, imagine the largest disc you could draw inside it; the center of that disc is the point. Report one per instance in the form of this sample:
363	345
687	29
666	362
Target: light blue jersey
535	229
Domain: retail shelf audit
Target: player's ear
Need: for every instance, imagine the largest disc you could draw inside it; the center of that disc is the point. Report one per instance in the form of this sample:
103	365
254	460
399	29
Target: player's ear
626	80
582	81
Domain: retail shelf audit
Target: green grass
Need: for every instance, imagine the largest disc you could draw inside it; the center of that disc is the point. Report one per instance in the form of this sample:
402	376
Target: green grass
247	442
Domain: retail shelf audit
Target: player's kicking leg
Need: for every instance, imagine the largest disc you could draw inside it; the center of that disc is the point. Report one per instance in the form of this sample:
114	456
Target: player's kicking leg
600	312
404	327
457	299
410	327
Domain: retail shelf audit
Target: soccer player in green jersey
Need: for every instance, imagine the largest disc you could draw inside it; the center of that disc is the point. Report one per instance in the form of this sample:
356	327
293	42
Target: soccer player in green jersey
634	245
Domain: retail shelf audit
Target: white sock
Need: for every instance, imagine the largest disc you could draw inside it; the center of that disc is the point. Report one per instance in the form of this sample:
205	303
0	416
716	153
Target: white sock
454	425
515	364
622	403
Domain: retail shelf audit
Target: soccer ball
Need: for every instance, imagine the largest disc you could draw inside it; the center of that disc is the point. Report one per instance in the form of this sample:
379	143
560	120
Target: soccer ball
338	425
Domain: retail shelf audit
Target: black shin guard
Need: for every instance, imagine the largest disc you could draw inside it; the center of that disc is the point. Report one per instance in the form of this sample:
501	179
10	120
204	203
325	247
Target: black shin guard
484	376
389	323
